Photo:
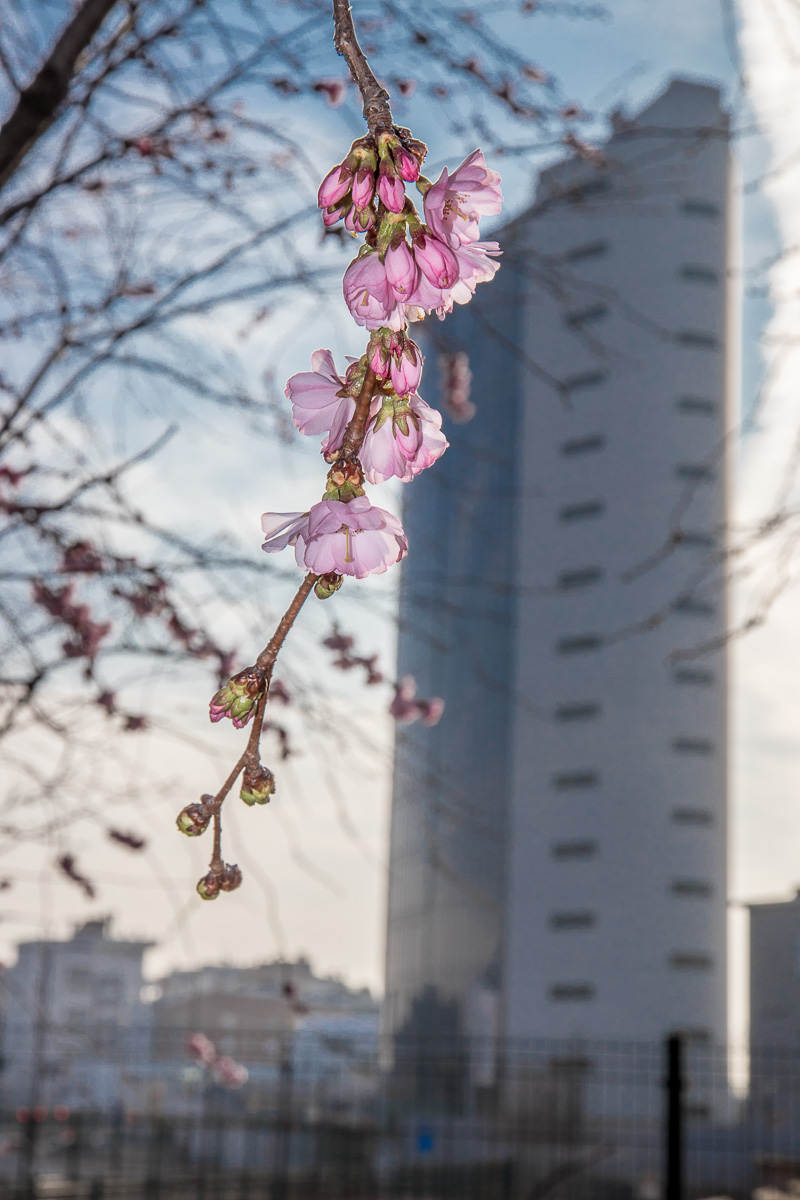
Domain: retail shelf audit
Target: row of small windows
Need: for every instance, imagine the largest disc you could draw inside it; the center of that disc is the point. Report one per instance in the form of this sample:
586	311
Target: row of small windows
601	246
584	445
586	643
584	711
700	405
570	921
695	273
681	961
584	848
587	778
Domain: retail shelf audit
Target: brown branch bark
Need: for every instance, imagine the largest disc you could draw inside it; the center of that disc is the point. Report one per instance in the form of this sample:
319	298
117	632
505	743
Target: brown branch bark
377	112
38	103
357	425
266	661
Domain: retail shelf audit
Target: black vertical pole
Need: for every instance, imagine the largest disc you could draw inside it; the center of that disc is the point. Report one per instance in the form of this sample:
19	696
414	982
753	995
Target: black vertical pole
673	1172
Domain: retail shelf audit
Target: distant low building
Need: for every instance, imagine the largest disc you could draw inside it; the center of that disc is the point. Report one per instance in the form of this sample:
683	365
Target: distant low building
73	1017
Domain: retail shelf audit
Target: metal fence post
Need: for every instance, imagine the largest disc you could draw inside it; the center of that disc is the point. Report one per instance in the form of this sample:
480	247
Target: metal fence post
673	1084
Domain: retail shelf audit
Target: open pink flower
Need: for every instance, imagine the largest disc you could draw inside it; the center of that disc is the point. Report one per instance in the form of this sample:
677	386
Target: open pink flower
354	538
403	438
317	405
369	294
475	265
456	202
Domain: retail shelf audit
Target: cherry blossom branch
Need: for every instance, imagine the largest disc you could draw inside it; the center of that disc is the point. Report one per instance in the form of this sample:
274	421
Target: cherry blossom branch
250	688
377	425
377	112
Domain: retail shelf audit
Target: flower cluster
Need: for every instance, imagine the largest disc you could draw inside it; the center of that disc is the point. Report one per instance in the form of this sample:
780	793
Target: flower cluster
374	424
405	269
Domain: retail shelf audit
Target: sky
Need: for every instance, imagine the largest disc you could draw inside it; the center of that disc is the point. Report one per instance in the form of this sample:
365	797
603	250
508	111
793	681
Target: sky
316	860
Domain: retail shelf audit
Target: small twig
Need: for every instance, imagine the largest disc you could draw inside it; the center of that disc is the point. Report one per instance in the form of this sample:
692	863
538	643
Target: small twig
377	112
266	662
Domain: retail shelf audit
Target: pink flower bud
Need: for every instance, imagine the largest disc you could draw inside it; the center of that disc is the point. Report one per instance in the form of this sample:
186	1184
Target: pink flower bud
379	361
406	369
401	270
363	187
406	164
390	188
331	215
335	185
436	260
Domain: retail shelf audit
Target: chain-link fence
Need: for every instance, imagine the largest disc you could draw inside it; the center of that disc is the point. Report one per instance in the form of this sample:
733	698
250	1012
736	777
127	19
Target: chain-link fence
132	1113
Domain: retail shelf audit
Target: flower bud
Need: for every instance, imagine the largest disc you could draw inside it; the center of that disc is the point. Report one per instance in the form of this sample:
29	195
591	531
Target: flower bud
258	784
363	186
326	585
390	187
406	368
335	184
193	820
406	164
378	358
401	270
238	697
231	878
436	260
208	887
335	213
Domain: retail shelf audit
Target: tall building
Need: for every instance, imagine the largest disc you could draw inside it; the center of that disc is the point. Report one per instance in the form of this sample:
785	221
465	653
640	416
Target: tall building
558	841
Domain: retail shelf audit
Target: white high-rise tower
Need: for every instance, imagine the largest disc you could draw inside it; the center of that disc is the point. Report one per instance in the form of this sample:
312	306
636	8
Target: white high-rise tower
558	856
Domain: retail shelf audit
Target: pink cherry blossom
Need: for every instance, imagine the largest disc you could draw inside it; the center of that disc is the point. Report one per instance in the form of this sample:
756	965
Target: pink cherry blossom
401	269
334	186
456	202
475	265
406	709
436	260
354	538
317	406
406	164
369	295
405	367
390	188
363	186
403	438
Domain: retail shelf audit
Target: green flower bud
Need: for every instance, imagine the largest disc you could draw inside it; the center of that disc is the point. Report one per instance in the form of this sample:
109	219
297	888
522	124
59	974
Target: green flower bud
193	820
326	585
208	887
258	784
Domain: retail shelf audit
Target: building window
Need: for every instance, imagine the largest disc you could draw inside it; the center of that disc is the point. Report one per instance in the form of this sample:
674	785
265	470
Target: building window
584	445
699	405
696	676
572	991
576	779
77	979
585	379
586	316
573	920
569	580
695	273
581	512
692	607
690	960
700	208
579	645
695	472
589	250
690	887
693	538
697	337
692	816
576	849
585	711
692	745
